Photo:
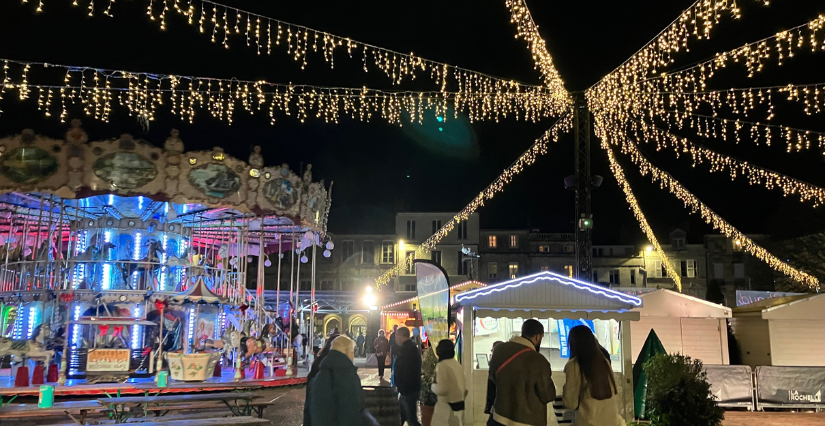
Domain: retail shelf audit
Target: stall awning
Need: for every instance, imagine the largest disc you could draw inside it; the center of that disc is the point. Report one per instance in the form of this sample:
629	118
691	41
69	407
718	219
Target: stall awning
666	303
407	304
796	308
198	293
548	292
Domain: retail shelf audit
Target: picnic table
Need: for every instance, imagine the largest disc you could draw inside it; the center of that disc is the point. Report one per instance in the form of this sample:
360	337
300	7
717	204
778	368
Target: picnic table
122	408
76	410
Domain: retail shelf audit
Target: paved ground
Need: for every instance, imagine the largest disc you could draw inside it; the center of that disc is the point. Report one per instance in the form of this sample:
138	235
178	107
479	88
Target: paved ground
741	418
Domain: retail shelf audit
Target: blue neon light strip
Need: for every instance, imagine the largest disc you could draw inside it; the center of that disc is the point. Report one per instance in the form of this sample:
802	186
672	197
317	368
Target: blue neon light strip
548	276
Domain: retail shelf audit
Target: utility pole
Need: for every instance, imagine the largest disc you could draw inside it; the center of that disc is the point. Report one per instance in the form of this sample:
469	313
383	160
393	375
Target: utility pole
583	186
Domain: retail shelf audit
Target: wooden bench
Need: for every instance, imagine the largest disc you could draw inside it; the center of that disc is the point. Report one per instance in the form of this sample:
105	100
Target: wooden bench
256	407
123	408
76	410
236	421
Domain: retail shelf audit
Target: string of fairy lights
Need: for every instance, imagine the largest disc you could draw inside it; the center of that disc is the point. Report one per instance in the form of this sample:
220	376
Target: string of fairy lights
527	158
266	35
618	173
666	181
643	99
98	91
755	175
527	30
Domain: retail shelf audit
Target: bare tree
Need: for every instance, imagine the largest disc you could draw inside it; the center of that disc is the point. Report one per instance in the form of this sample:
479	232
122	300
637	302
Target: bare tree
806	253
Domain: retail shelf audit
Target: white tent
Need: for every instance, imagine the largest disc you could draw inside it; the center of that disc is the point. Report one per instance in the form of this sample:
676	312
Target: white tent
685	324
495	313
786	331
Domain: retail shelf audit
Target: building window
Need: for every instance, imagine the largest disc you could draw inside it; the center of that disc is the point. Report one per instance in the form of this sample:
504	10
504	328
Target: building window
568	270
737	245
513	241
408	287
436	226
462	264
544	248
656	269
545	268
387	252
491	241
568	248
598	252
306	285
595	276
614	276
633	276
436	257
513	270
410	229
679	243
688	268
348	250
407	255
462	230
739	271
492	270
718	271
326	285
368	253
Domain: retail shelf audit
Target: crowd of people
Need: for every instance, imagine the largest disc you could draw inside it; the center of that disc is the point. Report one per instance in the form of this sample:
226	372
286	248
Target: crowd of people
519	386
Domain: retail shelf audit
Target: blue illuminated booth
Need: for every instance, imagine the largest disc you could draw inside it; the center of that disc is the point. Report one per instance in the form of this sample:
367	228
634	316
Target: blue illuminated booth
496	312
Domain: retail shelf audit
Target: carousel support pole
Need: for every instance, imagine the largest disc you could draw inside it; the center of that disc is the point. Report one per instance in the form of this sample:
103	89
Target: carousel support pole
311	334
159	362
64	360
259	294
298	315
291	360
36	247
277	288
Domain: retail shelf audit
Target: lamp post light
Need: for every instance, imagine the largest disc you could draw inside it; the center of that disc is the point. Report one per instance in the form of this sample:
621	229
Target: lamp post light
370	300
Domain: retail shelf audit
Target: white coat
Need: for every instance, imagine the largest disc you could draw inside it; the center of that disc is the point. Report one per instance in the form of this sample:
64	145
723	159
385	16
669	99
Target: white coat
449	387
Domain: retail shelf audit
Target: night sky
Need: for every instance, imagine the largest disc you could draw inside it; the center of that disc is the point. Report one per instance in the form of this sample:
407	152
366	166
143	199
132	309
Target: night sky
380	169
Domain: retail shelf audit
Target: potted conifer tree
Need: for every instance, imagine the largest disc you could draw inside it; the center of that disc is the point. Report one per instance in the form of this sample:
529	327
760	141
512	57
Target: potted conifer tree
427	399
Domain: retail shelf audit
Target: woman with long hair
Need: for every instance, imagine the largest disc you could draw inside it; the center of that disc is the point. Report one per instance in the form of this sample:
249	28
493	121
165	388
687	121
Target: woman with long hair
590	387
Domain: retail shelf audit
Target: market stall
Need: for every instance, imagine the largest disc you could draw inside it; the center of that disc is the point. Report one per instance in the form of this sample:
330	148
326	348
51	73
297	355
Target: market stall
783	331
684	324
404	312
496	312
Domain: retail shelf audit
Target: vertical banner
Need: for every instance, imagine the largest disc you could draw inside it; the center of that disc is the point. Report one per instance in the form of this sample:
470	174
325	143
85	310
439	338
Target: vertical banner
433	299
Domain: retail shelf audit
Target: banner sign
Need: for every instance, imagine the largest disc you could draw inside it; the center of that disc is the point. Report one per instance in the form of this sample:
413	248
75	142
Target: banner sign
564	330
108	360
746	297
433	299
790	385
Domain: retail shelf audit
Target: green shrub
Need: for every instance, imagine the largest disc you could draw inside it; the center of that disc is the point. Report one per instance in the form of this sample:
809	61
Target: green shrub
678	393
427	375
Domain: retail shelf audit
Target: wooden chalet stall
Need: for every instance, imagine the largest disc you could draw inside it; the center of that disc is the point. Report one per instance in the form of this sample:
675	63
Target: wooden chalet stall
782	331
685	324
497	311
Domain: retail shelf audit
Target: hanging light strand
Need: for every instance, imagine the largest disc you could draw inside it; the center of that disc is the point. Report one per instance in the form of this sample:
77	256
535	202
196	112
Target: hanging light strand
666	181
527	30
529	157
143	93
222	23
618	173
755	175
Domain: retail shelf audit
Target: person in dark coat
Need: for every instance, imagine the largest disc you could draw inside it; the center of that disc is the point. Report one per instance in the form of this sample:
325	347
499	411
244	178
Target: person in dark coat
408	376
382	347
313	371
394	348
335	395
359	345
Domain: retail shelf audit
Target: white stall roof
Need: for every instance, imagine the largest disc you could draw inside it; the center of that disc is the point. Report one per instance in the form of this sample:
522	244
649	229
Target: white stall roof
808	308
666	303
536	295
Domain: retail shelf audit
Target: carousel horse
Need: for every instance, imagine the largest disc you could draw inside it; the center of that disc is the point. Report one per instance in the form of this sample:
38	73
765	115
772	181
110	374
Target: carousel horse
90	261
27	348
150	262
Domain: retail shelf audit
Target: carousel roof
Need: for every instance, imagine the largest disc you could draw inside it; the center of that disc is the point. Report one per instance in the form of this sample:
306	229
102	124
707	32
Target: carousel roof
198	293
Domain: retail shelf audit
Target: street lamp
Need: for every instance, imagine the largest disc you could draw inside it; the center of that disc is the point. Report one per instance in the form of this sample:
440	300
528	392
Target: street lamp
370	300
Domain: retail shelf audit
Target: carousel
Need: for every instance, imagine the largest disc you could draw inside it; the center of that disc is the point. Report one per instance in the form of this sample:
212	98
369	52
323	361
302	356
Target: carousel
121	259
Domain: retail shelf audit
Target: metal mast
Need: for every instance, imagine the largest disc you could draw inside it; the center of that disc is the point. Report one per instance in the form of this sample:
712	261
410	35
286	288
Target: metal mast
584	216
